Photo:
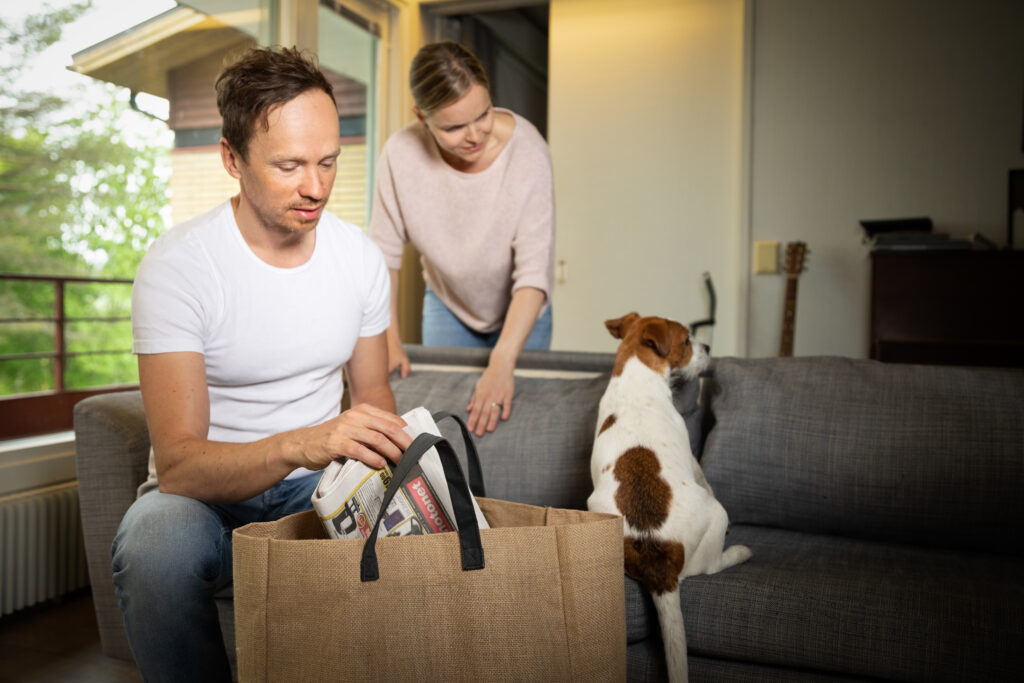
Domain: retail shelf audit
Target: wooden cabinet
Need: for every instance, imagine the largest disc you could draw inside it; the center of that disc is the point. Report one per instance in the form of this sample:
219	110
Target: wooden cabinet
948	307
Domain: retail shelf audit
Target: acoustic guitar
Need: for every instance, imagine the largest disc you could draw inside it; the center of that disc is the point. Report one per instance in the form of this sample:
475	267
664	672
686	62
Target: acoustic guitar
795	252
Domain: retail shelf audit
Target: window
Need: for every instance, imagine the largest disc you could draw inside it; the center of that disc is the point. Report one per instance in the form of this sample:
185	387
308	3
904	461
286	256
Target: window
119	148
348	54
84	173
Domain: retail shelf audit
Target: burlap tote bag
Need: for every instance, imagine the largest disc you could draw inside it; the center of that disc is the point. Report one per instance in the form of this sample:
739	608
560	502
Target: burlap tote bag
537	597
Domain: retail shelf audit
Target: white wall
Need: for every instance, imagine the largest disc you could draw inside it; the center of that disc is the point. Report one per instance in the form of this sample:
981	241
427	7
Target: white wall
644	123
875	109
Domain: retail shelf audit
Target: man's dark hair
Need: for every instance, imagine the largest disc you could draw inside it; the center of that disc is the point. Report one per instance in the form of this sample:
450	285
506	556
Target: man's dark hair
261	79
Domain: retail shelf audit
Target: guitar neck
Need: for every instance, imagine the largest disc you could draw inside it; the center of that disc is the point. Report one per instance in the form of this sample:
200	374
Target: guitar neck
788	318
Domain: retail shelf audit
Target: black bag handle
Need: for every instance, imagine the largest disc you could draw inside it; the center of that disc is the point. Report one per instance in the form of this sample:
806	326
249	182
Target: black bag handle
462	503
476	477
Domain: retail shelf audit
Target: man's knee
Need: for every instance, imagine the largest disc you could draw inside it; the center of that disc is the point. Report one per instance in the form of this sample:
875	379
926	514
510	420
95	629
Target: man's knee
169	541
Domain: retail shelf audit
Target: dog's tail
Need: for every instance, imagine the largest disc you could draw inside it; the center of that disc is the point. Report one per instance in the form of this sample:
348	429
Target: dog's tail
673	634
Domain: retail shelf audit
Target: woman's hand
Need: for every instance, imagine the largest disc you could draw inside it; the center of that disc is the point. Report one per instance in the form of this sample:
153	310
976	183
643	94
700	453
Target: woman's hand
492	398
397	357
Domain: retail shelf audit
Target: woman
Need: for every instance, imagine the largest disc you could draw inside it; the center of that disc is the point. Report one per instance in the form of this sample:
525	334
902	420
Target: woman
470	186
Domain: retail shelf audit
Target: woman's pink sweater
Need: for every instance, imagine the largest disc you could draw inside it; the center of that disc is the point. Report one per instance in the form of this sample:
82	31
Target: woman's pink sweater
481	236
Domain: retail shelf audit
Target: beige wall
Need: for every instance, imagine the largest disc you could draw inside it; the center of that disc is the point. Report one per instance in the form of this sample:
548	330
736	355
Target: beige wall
198	182
856	109
875	109
645	128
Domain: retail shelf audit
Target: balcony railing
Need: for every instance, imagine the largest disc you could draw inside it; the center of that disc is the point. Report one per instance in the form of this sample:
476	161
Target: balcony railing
46	404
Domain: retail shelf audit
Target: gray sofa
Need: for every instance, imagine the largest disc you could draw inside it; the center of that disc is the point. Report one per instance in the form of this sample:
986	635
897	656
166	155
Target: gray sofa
882	504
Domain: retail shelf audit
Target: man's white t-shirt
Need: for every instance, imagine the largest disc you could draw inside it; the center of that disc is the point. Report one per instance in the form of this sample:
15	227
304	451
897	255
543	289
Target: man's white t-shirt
273	339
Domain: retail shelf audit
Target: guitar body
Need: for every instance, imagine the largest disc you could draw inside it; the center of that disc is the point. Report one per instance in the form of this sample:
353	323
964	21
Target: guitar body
795	252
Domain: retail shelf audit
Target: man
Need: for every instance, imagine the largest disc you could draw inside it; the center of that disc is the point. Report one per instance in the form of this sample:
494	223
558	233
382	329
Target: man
242	319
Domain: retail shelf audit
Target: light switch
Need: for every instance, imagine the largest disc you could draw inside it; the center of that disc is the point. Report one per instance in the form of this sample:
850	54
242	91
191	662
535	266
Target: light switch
766	257
561	271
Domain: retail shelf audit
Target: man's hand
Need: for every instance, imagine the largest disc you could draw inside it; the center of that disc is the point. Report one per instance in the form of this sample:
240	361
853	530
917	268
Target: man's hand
365	433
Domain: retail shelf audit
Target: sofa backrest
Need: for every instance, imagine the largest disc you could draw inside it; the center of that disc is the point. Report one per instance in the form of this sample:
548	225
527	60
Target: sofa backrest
541	454
922	454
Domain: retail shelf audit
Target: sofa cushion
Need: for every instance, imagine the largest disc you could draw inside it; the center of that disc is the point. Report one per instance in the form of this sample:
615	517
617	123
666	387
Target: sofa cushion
645	663
554	413
541	454
927	455
857	607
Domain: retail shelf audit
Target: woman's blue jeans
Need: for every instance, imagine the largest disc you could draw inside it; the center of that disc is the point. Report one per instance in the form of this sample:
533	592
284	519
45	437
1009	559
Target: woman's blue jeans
442	328
171	555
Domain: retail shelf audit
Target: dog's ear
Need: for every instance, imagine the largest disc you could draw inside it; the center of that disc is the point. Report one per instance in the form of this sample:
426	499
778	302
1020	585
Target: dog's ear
658	336
620	326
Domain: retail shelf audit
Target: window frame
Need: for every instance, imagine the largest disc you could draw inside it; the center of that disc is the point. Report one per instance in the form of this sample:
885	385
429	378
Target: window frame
45	412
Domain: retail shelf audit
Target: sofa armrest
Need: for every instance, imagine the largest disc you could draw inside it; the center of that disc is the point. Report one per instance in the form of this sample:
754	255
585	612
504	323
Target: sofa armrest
112	455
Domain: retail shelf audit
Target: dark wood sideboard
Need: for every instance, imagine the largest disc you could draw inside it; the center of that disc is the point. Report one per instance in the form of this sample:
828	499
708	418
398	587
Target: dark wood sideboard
948	307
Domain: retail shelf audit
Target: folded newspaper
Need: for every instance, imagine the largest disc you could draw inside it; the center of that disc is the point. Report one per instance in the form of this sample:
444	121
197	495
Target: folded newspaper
349	494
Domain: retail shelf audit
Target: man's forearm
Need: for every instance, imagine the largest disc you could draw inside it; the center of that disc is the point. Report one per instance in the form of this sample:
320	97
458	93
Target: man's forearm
222	472
218	472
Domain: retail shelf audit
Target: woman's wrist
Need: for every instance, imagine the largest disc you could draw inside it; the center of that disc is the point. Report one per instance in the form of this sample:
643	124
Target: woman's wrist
503	359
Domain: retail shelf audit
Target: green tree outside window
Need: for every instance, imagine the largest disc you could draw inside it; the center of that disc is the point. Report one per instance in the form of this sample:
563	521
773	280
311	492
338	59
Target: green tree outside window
83	192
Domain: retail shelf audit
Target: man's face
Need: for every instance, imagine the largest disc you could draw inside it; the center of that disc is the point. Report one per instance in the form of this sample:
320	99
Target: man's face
290	167
463	128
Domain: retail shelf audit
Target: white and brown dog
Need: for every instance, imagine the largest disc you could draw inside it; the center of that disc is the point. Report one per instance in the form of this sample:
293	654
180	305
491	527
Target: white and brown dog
643	469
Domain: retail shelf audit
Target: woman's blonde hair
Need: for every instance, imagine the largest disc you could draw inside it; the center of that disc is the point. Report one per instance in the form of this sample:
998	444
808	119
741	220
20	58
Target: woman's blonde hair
442	73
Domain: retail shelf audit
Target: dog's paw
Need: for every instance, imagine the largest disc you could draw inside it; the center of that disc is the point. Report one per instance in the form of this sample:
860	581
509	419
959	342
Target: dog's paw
735	554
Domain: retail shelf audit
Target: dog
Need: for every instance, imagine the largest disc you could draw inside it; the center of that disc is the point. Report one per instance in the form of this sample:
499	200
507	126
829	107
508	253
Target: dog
644	470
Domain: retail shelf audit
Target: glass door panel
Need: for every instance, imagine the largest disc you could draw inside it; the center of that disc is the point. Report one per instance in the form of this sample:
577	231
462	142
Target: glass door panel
349	56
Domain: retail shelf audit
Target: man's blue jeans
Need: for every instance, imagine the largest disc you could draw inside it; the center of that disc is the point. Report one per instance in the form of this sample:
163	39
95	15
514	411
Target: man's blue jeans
442	328
170	556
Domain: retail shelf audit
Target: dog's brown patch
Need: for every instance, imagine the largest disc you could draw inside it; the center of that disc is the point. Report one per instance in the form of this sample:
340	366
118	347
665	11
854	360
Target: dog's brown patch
643	496
608	422
655	564
660	344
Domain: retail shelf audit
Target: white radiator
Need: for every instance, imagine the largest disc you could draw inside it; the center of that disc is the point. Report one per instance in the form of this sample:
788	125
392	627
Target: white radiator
41	550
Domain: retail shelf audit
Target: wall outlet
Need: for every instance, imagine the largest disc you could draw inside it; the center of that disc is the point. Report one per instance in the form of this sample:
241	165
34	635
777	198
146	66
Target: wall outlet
766	257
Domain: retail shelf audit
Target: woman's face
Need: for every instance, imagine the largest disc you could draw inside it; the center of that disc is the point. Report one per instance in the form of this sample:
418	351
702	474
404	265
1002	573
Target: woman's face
463	129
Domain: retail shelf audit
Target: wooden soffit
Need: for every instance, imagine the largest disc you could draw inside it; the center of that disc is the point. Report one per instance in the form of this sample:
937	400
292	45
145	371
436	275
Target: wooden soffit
139	58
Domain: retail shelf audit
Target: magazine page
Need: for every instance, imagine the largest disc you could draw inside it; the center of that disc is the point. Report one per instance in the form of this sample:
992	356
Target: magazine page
418	421
349	494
